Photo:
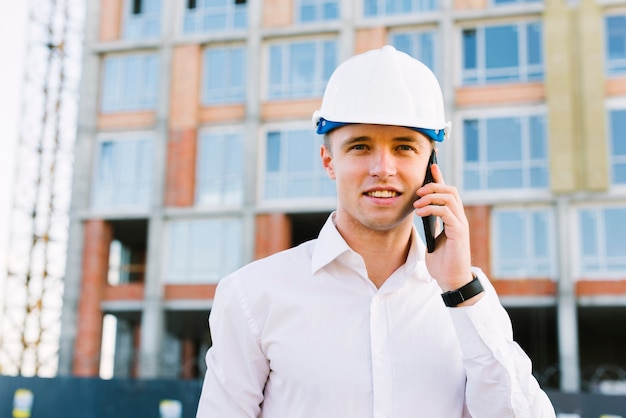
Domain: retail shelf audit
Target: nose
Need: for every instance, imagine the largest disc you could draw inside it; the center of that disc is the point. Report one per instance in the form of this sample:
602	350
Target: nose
382	164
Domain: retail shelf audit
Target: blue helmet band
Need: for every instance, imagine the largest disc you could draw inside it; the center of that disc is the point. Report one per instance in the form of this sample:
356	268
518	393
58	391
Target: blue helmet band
324	126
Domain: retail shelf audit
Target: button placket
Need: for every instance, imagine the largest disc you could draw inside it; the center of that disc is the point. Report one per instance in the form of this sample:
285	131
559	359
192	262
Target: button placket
381	370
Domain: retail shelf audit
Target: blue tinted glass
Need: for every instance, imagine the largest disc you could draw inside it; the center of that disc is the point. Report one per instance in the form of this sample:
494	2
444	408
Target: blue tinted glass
330	58
509	178
298	151
470	134
238	69
427	50
302	65
469	49
504	139
471	179
501	47
273	152
619	173
330	10
589	233
307	13
535	52
537	137
216	68
616	37
511	236
402	42
538	178
615	232
540	226
370	7
618	131
276	70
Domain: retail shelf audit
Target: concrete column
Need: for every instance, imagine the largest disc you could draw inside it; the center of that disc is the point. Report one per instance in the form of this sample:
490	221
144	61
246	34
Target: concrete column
81	182
567	316
152	319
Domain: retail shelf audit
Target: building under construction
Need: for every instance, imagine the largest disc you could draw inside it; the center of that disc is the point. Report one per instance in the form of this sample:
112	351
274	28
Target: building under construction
33	288
195	154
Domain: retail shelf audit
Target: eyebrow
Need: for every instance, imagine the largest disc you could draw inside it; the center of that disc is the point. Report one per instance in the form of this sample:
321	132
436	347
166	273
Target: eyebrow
365	138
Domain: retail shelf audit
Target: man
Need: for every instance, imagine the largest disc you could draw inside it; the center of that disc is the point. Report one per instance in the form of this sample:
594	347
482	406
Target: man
353	324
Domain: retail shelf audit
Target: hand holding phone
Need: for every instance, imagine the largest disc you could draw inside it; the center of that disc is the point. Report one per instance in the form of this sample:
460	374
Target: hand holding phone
430	222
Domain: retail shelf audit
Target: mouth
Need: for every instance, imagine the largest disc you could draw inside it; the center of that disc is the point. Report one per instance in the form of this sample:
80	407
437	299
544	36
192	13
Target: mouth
382	194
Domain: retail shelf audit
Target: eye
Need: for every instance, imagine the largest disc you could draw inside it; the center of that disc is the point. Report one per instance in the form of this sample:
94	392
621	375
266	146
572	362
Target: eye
359	147
406	148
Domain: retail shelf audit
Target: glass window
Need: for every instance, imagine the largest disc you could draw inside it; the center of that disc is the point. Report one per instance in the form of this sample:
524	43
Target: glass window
617	132
317	10
130	83
301	69
123	173
394	7
616	45
507	2
214	15
142	19
523	243
502	54
219	175
293	168
602	243
420	45
505	153
203	250
224	75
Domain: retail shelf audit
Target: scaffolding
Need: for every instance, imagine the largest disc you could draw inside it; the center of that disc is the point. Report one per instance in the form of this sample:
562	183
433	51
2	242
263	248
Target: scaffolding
33	289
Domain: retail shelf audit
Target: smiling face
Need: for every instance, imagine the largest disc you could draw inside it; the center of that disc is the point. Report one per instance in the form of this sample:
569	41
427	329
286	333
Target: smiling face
378	169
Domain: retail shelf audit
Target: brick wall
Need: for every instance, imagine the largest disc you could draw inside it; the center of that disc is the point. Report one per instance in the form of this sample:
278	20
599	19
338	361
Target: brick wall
98	236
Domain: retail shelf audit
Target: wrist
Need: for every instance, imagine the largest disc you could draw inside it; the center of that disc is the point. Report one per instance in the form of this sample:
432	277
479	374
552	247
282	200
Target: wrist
466	294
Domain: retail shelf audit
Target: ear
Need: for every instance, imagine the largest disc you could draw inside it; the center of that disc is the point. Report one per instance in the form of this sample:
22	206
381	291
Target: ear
327	162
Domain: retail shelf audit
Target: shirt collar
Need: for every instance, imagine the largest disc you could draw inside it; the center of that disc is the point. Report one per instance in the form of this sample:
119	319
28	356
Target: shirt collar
330	245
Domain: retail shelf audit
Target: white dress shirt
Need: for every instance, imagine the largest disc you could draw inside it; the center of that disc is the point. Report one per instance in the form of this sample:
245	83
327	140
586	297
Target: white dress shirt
305	334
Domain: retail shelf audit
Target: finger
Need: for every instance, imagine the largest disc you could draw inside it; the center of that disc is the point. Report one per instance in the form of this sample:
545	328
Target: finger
437	175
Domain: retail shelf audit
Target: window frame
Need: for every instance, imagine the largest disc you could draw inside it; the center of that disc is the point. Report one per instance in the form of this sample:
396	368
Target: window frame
220	269
527	213
481	71
231	11
147	97
222	132
230	49
318	203
600	274
319	79
614	105
318	5
610	64
489	194
414	33
141	207
416	9
130	33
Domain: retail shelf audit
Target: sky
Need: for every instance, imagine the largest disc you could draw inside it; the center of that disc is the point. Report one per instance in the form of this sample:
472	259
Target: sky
13	18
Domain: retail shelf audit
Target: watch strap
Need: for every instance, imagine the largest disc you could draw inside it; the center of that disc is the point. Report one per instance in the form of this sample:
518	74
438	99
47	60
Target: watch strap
468	291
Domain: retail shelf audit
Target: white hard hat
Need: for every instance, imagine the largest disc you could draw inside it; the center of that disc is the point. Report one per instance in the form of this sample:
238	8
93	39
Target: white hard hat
383	87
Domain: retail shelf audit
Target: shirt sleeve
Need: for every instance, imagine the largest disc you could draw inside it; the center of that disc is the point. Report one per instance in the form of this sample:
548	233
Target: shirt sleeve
237	369
499	373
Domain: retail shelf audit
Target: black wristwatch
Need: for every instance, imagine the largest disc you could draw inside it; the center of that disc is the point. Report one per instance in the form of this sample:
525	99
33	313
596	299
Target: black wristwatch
455	297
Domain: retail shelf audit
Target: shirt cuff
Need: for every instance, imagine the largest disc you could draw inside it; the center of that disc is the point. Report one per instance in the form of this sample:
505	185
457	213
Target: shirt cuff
484	326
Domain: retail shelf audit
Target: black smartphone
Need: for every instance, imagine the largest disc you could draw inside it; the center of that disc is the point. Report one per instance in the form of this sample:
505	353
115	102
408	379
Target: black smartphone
430	222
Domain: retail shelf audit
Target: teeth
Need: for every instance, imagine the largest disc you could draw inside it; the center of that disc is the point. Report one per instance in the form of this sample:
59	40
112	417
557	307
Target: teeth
382	193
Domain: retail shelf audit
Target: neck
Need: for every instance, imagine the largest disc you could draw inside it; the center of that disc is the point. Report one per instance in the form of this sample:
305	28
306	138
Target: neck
383	251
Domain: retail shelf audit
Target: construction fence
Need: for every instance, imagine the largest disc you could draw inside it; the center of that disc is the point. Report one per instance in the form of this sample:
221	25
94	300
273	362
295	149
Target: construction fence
73	397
